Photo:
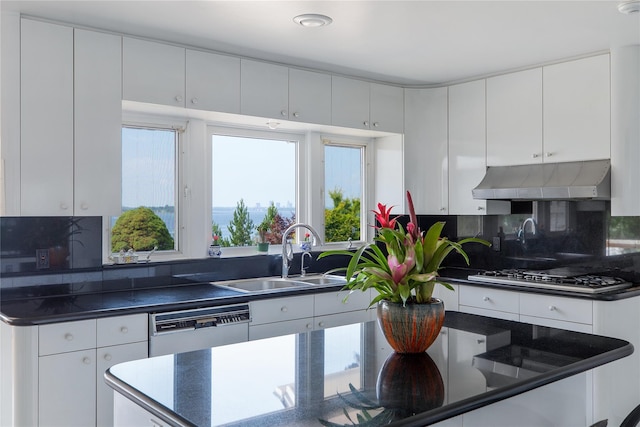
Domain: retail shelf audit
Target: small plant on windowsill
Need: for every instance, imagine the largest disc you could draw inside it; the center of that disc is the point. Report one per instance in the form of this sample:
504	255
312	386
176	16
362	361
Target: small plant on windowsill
263	232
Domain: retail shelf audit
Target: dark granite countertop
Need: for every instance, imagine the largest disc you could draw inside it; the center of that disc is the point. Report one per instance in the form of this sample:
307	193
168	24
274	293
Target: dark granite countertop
301	379
35	305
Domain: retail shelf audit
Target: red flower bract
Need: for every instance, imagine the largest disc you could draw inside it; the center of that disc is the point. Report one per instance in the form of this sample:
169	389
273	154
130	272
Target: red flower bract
382	216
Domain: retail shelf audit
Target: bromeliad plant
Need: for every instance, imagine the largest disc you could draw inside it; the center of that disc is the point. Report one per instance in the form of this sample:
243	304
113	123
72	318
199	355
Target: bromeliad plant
408	272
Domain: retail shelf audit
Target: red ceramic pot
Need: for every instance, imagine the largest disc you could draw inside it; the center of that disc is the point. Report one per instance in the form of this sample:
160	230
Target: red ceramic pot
411	328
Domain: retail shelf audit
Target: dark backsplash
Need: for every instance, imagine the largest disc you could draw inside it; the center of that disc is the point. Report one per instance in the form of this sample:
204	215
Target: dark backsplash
566	233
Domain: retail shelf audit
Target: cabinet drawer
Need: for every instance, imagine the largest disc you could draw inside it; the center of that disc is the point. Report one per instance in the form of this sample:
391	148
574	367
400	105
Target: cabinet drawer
557	308
340	319
122	329
333	302
279	309
68	336
489	299
267	330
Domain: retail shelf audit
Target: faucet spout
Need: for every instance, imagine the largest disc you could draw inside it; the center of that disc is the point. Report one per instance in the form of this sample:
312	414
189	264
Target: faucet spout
287	249
522	233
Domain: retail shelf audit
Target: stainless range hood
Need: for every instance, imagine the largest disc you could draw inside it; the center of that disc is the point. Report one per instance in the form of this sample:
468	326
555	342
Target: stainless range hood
589	179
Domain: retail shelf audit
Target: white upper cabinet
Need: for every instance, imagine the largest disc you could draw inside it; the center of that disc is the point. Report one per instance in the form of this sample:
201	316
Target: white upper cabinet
576	110
309	97
467	163
625	131
264	89
425	150
349	103
46	119
386	109
153	72
514	118
213	82
97	123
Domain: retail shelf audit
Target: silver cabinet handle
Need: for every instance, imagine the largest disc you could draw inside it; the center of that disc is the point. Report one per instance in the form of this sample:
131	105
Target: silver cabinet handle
86	360
68	337
296	114
179	98
284	309
124	329
194	101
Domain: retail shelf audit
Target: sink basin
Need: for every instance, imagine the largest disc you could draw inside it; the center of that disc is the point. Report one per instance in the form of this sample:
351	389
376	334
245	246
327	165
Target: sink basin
323	280
261	285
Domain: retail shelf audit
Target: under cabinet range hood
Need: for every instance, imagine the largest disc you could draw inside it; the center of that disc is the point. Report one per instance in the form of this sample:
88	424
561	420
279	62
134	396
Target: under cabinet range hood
590	179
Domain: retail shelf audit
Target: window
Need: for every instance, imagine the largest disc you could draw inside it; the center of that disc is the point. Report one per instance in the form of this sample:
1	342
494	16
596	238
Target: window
343	178
149	182
253	184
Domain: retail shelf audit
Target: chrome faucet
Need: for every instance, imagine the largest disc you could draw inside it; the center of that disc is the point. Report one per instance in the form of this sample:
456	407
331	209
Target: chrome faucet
522	233
303	270
287	248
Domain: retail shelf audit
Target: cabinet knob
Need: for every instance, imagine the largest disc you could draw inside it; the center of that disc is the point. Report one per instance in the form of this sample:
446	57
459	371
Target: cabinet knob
284	309
179	98
535	155
366	124
283	113
486	299
296	114
552	308
194	101
548	154
480	208
376	124
84	206
124	329
481	341
68	337
309	326
64	206
442	209
443	332
321	324
107	357
86	360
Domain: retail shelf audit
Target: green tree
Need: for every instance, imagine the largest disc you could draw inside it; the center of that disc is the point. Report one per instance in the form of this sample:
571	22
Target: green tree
217	231
343	221
241	226
140	229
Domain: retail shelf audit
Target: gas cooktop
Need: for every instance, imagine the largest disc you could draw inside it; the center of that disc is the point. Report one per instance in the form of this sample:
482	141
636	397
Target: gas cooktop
573	279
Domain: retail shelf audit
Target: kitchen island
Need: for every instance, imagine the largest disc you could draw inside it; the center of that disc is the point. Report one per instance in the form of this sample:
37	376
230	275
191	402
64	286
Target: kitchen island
478	363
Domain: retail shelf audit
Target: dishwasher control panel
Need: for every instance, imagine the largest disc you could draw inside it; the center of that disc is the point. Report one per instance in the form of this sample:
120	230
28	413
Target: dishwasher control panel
189	320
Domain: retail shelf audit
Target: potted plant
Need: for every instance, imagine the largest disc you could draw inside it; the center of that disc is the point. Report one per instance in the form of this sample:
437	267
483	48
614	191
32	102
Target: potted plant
263	229
404	277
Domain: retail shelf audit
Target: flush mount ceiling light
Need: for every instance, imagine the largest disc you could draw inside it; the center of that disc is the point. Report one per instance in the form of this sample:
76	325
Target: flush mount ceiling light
311	20
629	7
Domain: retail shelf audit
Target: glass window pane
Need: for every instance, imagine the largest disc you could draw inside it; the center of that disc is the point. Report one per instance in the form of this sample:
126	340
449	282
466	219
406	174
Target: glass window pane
148	191
253	184
343	192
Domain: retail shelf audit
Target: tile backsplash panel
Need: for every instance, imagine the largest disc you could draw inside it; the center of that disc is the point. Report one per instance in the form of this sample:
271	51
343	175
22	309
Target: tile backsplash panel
59	243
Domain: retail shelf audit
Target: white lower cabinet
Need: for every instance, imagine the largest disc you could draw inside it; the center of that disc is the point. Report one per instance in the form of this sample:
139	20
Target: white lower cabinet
71	366
489	302
127	413
557	312
291	315
67	389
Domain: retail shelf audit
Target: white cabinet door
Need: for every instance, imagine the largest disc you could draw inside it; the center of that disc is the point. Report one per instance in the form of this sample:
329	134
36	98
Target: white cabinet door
309	97
97	123
153	72
106	358
213	82
467	151
514	118
46	119
281	309
67	336
576	110
264	89
122	329
334	302
67	389
340	319
349	102
425	149
386	110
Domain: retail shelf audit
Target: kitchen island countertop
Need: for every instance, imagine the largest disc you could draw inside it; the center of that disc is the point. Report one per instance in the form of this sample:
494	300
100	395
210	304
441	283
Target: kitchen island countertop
303	378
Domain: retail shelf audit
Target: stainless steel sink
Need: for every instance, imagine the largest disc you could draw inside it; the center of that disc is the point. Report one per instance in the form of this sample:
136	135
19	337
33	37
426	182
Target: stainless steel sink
323	280
261	285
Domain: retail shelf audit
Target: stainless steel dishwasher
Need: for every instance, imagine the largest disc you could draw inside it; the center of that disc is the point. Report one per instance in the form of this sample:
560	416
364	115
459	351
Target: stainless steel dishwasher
197	329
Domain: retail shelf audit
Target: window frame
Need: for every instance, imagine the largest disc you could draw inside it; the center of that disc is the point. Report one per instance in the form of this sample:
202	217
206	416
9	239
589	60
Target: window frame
157	122
248	132
366	180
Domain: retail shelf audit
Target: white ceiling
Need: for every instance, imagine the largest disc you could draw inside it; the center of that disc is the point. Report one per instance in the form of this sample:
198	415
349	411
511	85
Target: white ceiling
404	42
